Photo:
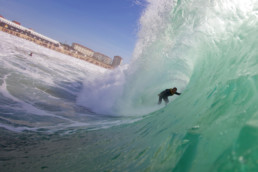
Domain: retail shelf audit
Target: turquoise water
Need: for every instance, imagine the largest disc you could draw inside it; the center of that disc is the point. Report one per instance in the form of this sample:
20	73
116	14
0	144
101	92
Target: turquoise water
205	48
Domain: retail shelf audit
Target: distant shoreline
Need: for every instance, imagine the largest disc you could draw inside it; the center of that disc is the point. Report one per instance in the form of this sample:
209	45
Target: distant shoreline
14	28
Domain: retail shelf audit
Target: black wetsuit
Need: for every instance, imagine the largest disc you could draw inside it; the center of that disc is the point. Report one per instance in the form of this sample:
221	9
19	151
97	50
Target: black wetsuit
164	95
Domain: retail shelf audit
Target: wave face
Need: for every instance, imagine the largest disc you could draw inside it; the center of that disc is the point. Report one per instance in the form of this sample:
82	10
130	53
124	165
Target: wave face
179	41
208	49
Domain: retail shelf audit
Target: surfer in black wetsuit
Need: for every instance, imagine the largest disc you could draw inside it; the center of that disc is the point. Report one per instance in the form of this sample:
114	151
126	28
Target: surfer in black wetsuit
167	92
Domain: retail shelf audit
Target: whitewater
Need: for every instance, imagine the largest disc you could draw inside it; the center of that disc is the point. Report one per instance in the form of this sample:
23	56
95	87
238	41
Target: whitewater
59	113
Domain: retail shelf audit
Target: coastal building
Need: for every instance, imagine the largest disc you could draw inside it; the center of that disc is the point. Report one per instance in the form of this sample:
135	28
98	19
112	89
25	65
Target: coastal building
117	61
66	47
82	49
16	22
103	58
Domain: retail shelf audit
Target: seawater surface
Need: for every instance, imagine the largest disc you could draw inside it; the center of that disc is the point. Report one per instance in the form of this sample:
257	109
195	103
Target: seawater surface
62	114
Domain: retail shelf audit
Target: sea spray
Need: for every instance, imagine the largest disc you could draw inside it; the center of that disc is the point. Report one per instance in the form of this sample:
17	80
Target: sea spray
101	93
157	64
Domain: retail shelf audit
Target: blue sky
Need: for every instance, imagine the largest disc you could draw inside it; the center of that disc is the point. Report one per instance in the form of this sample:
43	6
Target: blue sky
106	26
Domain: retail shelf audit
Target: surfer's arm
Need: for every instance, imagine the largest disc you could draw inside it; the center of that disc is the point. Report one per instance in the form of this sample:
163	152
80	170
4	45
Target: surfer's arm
177	93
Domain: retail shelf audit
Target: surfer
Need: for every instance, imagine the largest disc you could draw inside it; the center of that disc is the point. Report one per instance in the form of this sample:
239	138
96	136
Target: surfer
30	54
167	92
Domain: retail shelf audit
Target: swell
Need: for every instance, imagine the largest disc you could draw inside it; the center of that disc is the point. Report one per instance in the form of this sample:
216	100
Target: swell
210	126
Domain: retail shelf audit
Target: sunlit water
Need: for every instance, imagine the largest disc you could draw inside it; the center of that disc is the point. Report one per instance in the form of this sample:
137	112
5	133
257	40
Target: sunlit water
62	114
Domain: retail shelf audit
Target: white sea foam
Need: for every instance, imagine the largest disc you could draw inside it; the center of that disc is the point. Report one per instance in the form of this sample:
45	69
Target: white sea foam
46	85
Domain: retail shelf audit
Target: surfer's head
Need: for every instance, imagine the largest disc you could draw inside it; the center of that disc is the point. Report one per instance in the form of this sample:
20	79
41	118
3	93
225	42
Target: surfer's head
174	89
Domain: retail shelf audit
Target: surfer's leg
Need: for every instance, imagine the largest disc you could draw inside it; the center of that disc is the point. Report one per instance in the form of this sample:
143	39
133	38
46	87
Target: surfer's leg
166	100
160	100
